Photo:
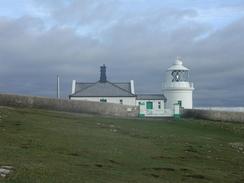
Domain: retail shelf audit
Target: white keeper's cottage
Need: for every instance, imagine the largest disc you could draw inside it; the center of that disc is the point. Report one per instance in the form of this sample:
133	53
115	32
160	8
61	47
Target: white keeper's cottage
104	91
177	90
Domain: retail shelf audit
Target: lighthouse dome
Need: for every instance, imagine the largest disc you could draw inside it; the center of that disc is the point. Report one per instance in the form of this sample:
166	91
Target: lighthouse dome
178	65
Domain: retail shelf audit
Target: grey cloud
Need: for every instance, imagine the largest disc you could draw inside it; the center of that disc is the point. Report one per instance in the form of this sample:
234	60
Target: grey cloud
136	46
82	12
220	66
104	14
29	58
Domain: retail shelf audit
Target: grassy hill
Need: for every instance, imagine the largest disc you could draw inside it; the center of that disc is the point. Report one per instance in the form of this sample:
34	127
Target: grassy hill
45	146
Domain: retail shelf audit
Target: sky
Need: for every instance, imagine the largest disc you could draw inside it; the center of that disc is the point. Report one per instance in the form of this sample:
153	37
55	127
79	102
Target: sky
136	39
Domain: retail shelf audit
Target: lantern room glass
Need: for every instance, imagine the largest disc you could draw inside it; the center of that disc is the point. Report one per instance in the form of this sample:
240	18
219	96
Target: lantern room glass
180	75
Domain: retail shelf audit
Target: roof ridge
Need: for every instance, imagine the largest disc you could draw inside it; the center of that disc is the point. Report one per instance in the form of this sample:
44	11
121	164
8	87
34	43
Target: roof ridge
121	88
149	94
86	82
122	82
85	88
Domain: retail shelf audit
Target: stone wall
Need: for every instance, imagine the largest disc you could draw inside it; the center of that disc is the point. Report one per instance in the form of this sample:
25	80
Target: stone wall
68	105
214	115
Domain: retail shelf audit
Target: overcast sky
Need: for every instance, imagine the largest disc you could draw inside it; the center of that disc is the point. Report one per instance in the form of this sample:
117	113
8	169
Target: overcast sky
136	39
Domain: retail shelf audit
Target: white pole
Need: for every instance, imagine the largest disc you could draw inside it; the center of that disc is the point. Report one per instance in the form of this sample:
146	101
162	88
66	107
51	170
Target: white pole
58	87
73	86
132	86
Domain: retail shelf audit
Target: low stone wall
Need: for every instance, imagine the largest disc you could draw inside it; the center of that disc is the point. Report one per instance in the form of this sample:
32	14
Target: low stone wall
214	115
68	105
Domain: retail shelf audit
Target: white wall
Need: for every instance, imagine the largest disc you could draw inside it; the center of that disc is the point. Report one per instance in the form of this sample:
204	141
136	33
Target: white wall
116	100
173	96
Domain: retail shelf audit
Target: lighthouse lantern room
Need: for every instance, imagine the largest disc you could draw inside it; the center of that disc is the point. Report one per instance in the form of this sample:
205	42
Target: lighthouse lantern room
177	88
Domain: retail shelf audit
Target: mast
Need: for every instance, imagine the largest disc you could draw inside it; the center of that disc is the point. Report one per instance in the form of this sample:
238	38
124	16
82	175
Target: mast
58	87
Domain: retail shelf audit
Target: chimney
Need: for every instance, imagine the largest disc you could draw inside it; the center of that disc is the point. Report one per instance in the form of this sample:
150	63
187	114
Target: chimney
103	77
132	87
73	86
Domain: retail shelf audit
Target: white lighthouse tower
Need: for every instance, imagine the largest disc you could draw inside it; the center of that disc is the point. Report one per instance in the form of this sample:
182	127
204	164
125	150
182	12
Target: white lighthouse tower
177	88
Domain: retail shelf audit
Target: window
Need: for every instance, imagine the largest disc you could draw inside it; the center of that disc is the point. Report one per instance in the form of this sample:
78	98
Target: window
141	103
149	105
121	101
180	103
103	100
159	105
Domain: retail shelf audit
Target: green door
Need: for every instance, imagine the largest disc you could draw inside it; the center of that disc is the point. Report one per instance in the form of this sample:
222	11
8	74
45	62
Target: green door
180	103
149	105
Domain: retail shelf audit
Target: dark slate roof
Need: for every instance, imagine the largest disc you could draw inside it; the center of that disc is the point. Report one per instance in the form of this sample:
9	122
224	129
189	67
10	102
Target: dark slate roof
125	86
81	86
150	97
103	89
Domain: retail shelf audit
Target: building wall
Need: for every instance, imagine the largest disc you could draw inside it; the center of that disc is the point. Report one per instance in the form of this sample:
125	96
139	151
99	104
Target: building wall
158	108
131	101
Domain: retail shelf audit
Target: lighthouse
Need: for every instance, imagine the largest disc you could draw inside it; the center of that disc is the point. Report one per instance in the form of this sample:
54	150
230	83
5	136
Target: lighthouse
177	88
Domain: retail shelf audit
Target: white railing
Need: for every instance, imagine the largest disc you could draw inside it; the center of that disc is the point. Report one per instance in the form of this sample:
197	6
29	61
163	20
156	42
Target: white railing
179	85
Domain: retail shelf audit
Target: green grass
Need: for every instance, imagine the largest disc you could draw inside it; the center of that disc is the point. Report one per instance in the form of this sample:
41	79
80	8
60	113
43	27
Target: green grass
45	146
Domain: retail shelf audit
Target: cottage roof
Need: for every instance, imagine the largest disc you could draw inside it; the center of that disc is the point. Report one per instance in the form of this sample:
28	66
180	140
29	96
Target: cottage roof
150	97
103	89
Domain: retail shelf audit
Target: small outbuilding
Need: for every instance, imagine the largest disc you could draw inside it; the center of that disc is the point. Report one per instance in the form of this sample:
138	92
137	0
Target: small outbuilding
151	105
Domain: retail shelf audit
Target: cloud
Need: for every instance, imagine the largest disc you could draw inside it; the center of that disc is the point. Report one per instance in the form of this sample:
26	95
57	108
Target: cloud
29	57
76	12
137	45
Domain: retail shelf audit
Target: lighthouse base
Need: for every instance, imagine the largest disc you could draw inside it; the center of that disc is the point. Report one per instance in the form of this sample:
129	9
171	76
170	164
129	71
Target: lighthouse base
181	97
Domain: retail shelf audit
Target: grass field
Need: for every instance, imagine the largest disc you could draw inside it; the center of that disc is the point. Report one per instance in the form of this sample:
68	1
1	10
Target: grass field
54	147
